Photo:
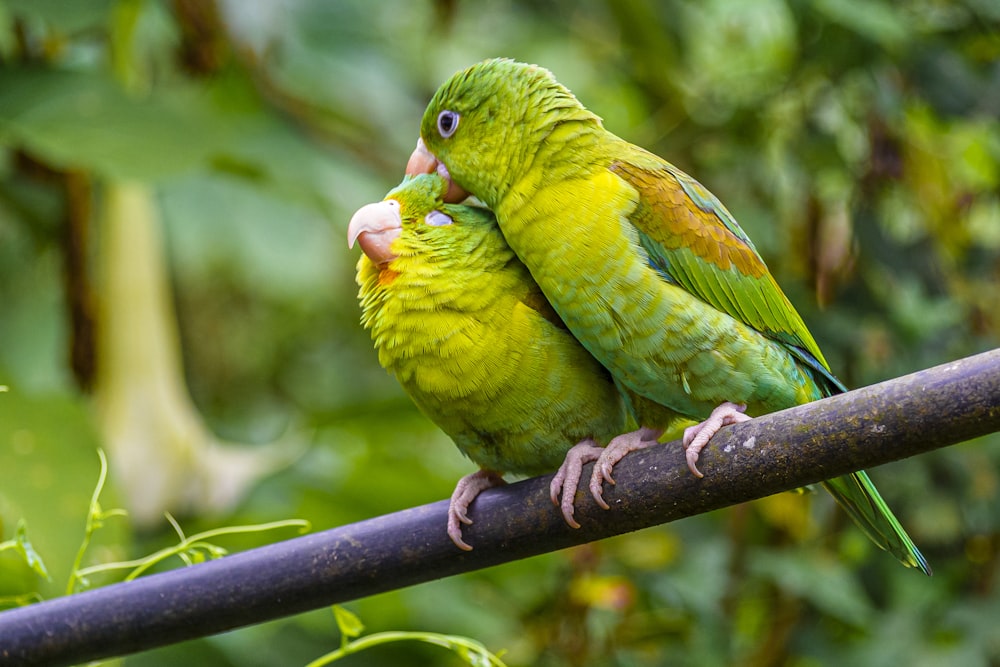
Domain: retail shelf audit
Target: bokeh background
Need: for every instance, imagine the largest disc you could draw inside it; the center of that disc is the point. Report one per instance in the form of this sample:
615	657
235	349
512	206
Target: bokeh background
176	178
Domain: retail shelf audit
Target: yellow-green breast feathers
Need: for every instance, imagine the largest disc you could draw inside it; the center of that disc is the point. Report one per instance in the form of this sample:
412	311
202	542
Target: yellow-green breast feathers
456	317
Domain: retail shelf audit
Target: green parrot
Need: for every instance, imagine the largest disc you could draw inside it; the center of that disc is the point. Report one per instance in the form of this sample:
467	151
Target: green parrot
457	319
645	266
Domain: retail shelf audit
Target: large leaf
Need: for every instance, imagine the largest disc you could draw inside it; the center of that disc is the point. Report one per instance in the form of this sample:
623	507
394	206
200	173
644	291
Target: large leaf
83	120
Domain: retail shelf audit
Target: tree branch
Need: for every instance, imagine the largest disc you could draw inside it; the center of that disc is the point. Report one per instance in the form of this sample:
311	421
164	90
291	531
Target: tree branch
777	452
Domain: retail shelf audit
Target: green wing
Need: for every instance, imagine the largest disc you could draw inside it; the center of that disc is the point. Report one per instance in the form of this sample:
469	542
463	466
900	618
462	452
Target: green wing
694	242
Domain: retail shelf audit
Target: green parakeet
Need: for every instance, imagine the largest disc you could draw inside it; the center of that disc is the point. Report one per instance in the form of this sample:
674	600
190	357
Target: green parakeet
457	319
645	266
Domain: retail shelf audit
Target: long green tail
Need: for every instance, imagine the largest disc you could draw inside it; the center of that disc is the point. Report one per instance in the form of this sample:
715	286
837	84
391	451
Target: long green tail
858	496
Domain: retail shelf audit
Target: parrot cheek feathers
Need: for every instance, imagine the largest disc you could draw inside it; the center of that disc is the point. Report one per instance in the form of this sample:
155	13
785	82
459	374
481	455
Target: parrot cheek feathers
422	161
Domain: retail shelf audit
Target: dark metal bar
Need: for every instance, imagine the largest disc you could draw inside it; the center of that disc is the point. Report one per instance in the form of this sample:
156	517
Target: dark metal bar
785	450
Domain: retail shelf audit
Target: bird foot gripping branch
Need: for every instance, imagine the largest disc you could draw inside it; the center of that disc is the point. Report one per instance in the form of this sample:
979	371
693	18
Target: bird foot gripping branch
465	492
697	436
562	489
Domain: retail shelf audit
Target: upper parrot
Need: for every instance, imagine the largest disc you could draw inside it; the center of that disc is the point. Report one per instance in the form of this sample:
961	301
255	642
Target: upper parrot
644	265
457	319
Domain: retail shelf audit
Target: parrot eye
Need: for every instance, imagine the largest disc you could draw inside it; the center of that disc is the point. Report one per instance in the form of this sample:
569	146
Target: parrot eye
447	123
437	219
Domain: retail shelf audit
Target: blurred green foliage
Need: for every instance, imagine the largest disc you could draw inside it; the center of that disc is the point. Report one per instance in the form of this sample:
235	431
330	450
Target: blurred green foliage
858	143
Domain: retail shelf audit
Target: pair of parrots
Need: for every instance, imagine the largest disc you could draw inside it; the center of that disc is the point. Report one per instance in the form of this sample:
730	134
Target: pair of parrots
603	287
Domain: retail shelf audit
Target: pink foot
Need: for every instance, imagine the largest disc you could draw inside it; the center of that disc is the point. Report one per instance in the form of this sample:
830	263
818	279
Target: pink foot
563	488
567	478
465	492
615	452
697	436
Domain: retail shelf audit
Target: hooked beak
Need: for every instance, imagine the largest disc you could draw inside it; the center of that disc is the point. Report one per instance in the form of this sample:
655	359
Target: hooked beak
375	227
422	161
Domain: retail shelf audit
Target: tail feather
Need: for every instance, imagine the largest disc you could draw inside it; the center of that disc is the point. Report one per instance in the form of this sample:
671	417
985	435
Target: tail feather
857	494
860	499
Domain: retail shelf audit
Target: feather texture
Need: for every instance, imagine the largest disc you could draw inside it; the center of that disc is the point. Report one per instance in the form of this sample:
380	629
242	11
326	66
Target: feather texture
457	319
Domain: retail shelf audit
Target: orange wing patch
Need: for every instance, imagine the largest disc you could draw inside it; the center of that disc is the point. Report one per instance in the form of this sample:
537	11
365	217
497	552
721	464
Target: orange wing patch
672	218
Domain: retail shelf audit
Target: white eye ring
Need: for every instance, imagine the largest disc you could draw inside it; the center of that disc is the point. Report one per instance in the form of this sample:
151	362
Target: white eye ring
437	219
447	123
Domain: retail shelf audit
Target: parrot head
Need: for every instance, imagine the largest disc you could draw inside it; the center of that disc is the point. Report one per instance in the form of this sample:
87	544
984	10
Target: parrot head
414	221
483	126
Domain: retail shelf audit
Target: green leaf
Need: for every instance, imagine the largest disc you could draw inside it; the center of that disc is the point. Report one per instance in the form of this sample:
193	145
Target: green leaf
348	623
31	557
84	120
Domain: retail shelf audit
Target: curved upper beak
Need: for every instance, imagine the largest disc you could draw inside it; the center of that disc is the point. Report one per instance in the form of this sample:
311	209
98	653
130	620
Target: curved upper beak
422	161
375	227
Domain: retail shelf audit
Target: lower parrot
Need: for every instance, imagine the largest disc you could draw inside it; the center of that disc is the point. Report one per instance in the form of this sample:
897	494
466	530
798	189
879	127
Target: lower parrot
457	319
647	268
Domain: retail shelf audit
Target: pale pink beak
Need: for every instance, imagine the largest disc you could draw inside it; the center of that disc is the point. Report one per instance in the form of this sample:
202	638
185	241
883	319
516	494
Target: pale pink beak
375	227
422	161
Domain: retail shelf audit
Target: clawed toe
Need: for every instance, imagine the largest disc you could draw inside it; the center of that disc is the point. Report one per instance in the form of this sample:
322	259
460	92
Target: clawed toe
615	452
562	489
697	436
465	492
564	484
